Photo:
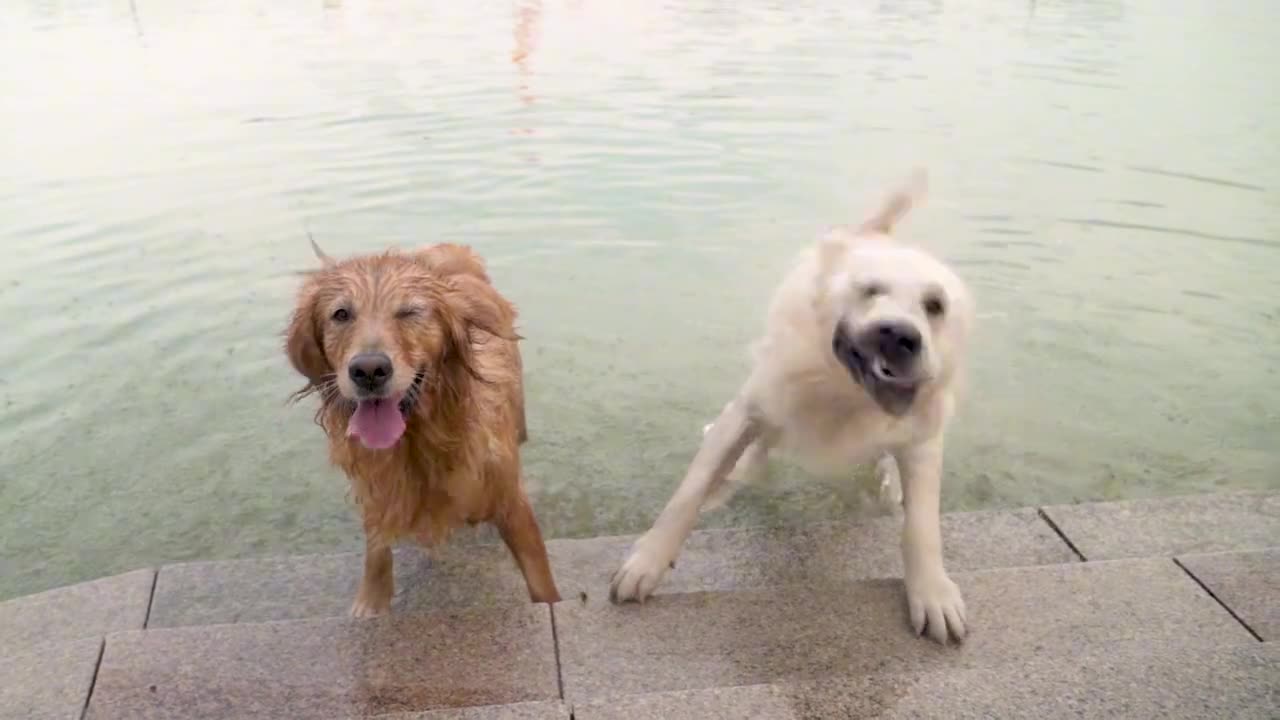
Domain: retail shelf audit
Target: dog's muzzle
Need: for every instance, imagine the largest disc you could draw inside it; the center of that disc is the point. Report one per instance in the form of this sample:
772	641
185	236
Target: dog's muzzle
884	359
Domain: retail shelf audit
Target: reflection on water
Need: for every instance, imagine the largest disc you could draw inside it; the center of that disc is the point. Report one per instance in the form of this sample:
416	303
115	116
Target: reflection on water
1106	174
528	26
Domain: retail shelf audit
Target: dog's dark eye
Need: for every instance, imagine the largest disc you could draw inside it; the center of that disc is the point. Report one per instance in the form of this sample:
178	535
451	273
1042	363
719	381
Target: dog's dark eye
341	315
934	307
406	313
872	290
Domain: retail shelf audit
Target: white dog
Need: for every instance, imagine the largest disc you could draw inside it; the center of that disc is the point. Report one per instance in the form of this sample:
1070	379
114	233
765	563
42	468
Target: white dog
861	360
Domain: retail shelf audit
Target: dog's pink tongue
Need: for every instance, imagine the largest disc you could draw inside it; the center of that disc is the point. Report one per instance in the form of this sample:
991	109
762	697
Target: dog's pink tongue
377	423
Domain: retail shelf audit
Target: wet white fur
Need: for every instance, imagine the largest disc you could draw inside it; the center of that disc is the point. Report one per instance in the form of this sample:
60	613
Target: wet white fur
799	399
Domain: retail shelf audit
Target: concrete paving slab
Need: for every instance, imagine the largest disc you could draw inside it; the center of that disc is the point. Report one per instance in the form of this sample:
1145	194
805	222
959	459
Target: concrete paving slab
1170	526
454	576
516	711
484	575
702	640
1246	582
75	612
755	558
316	586
325	668
255	590
47	681
1136	682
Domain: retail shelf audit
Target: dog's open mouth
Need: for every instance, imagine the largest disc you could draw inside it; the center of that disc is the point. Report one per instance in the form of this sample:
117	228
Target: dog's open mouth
379	423
891	390
885	373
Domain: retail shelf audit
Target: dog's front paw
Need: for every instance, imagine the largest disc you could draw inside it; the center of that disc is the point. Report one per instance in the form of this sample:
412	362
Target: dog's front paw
366	608
935	605
640	574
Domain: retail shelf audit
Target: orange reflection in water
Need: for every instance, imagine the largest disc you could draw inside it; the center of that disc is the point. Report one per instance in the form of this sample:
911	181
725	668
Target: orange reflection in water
528	28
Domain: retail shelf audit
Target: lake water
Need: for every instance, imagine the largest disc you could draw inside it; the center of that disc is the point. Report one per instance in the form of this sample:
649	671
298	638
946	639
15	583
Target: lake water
1106	175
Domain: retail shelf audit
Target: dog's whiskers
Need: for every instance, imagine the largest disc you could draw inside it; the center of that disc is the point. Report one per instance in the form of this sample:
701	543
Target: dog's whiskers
415	390
329	392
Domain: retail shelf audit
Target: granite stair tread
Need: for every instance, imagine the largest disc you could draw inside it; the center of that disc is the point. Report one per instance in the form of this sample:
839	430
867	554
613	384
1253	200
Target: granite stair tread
47	680
1175	680
798	632
330	668
599	652
514	711
1247	582
754	622
86	610
483	575
1170	526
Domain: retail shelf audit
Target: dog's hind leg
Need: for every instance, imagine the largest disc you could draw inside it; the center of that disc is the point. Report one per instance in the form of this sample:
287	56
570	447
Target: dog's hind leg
655	552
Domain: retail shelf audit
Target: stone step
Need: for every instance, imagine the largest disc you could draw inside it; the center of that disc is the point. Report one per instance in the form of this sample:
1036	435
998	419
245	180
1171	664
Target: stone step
461	576
744	606
471	575
514	711
1247	583
596	653
1142	681
745	637
1170	526
50	680
87	610
331	668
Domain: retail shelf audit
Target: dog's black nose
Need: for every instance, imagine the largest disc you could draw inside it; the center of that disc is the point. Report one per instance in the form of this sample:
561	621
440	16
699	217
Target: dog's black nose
369	371
897	342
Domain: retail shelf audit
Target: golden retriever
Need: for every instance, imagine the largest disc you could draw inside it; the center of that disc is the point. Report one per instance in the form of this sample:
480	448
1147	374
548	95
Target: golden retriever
862	359
414	358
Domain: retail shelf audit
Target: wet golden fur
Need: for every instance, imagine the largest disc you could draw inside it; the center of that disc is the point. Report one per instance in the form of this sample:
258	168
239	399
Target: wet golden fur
433	312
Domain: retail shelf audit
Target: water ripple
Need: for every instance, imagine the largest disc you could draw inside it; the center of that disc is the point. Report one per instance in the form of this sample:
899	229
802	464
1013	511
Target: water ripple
1198	178
1184	232
638	175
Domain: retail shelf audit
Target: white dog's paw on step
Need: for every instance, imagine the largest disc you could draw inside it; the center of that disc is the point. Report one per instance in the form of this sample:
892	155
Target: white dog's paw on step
641	573
935	606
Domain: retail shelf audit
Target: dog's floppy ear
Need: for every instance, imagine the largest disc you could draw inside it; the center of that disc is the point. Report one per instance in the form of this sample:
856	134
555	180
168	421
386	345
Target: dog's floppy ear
304	339
898	204
469	303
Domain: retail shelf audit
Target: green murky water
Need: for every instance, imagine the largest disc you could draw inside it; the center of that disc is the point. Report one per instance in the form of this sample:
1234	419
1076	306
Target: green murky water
1106	174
